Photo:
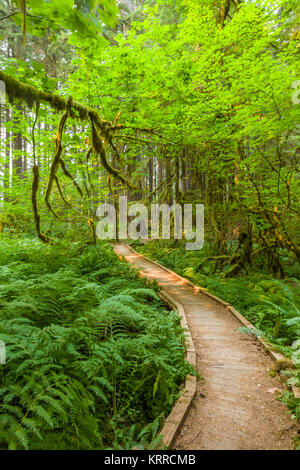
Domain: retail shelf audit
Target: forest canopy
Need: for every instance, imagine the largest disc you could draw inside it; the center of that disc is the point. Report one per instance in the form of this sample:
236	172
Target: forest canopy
168	101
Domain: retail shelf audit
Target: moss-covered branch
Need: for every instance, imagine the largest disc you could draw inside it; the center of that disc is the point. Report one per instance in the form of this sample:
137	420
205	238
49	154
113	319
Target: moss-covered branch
101	136
17	90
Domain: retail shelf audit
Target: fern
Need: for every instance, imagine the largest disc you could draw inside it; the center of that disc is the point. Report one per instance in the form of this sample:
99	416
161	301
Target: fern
93	359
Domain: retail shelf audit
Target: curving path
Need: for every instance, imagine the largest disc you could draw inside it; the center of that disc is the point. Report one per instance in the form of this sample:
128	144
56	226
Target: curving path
235	406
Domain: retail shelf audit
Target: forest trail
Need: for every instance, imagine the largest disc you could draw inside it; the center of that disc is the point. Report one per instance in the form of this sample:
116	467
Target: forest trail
235	407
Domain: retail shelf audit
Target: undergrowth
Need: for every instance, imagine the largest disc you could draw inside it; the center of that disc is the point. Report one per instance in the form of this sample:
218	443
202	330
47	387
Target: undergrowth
94	360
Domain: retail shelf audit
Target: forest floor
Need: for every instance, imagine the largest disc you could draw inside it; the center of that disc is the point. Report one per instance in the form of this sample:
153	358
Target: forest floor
235	407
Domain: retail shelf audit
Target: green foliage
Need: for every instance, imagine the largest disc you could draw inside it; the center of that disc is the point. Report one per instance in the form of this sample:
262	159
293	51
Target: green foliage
82	17
208	96
190	101
92	357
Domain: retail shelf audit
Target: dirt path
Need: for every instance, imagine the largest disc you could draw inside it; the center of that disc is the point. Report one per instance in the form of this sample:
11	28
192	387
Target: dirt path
235	406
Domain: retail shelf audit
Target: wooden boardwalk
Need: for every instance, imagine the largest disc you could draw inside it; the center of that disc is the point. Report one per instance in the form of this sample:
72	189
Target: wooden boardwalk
235	406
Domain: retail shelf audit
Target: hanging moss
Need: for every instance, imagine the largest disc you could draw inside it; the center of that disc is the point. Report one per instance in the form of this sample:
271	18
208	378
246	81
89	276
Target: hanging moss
99	149
83	112
90	151
58	103
109	184
60	192
34	190
101	131
55	161
68	175
17	90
